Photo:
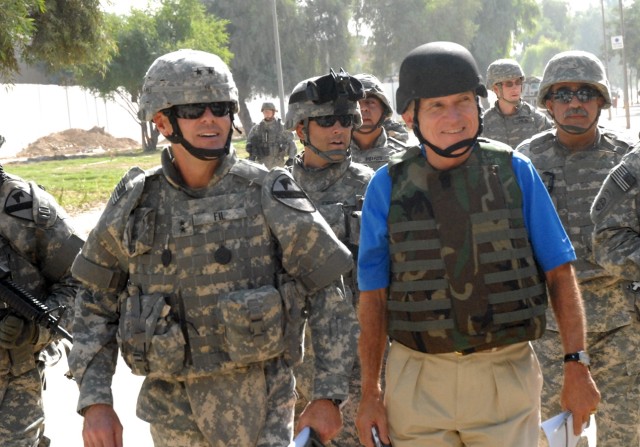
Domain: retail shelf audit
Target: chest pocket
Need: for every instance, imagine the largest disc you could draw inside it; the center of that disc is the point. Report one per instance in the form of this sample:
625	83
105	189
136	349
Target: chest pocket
333	213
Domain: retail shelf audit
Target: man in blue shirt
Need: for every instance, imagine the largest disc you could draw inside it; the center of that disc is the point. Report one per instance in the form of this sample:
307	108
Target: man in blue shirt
454	235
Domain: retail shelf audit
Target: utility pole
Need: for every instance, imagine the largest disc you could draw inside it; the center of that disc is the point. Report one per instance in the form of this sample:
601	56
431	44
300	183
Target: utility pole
624	68
606	46
276	36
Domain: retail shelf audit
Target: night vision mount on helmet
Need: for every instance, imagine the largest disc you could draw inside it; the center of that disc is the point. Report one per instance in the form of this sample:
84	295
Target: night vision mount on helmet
332	94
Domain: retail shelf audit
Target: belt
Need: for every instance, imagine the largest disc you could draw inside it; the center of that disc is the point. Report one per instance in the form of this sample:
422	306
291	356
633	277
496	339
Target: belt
477	350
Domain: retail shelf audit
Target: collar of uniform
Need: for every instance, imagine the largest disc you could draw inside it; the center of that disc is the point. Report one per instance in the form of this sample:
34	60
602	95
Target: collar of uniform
319	179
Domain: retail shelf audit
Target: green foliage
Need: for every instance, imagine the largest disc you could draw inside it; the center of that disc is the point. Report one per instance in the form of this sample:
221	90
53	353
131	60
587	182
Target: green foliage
56	33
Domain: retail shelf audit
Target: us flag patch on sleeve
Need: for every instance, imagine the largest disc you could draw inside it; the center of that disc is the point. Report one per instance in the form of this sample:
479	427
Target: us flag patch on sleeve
623	178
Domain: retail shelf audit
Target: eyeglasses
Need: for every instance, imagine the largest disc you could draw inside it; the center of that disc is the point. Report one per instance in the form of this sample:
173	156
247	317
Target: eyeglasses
330	120
194	111
510	84
584	95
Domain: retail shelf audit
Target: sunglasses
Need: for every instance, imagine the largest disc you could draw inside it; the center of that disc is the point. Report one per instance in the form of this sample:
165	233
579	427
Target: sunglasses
565	96
330	120
510	84
194	111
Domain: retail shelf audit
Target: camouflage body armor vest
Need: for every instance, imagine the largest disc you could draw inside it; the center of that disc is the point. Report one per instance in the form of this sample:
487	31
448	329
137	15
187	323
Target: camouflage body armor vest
573	181
338	191
463	277
195	236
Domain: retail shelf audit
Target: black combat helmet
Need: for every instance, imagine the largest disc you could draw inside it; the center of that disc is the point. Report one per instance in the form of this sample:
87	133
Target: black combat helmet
434	70
437	69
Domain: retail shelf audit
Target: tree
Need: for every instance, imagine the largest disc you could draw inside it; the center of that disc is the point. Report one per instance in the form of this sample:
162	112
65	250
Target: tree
314	36
56	33
141	37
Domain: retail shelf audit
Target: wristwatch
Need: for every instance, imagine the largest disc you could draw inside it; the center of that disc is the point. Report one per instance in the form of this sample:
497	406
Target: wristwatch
580	357
339	403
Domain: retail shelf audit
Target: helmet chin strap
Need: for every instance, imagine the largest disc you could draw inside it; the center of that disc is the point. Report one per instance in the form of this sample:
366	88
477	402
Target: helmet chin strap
176	137
449	151
576	130
325	155
373	129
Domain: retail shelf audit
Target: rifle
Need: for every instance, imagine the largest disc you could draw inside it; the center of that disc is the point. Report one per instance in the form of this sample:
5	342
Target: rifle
29	307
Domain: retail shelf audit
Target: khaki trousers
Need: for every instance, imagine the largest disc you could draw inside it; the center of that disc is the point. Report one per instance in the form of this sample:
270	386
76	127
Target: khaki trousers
489	399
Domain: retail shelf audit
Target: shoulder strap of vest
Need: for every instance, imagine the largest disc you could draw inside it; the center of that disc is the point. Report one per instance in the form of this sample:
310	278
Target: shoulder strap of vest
400	157
494	152
614	142
542	141
248	170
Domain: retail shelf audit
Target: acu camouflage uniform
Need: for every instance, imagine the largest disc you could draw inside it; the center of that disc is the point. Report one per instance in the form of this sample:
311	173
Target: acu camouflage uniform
514	129
205	291
37	247
269	141
524	123
573	180
383	148
337	190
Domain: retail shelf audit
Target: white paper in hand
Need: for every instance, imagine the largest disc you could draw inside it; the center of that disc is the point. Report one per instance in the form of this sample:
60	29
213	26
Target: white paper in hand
559	431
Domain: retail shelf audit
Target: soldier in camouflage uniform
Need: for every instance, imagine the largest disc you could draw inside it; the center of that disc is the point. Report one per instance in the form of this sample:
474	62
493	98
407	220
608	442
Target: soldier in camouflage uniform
38	247
269	141
204	271
371	144
573	160
510	119
336	185
452	234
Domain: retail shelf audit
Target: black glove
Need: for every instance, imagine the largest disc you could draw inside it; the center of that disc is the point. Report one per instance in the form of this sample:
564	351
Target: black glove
289	162
16	332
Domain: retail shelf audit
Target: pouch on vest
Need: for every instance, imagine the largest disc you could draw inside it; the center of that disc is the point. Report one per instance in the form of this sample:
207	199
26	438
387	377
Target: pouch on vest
296	316
253	324
149	338
353	221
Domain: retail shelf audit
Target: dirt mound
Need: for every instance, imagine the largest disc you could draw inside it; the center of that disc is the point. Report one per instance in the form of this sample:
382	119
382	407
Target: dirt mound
77	141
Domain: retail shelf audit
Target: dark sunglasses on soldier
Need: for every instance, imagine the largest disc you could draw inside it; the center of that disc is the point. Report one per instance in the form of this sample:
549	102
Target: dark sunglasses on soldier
194	111
330	120
584	95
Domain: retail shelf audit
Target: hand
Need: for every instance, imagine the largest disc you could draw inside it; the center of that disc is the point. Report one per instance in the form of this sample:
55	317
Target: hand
372	413
580	394
102	427
16	332
324	417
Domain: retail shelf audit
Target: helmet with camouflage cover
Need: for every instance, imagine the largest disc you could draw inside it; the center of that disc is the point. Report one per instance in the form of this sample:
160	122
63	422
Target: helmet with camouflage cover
502	70
268	106
373	87
186	77
574	66
332	94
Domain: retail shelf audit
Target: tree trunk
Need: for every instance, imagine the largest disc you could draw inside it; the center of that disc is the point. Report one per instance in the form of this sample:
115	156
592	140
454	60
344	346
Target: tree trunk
150	136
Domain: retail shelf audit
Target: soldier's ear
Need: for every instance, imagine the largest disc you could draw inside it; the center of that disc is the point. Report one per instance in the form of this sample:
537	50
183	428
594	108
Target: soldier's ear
407	116
162	123
300	132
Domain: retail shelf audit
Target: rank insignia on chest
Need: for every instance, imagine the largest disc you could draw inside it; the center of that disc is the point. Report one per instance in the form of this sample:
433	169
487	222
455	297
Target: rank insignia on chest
19	204
285	190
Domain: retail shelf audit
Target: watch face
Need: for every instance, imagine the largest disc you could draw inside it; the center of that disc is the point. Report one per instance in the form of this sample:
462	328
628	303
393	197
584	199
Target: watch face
584	358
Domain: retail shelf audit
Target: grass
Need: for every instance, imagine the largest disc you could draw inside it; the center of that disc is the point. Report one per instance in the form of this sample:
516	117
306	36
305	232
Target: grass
81	184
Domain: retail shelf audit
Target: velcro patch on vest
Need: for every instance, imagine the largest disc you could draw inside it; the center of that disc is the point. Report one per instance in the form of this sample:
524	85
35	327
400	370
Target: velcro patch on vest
119	190
623	178
286	191
19	204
